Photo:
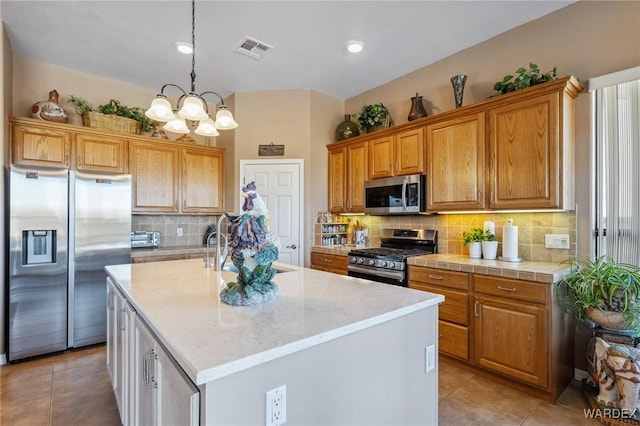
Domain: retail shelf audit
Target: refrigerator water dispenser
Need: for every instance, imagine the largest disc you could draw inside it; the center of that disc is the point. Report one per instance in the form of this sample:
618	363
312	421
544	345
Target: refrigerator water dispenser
38	246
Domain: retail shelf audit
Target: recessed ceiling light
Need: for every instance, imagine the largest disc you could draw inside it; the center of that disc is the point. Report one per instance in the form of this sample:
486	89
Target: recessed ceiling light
184	47
355	46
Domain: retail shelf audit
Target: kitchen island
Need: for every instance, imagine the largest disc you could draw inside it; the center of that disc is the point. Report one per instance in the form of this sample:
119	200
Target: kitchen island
350	351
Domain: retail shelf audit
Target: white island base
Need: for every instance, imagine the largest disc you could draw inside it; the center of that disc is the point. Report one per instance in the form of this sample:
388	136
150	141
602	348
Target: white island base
349	351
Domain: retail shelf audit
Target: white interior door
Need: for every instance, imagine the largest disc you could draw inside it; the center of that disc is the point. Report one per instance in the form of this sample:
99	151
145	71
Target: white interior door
280	184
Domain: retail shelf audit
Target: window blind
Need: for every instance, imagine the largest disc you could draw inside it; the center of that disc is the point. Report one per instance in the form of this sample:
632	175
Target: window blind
617	126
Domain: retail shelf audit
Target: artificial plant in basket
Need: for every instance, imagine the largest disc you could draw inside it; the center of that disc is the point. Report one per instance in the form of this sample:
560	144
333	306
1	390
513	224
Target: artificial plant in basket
114	107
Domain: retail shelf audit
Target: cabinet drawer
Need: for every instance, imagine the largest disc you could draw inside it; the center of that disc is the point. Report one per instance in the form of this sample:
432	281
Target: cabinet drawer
439	277
455	307
453	339
329	262
512	289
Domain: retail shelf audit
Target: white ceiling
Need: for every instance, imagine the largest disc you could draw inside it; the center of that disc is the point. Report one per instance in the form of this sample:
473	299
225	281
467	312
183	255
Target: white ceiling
134	41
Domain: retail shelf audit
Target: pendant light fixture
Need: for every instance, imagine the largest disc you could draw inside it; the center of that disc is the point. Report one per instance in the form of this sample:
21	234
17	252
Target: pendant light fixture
190	106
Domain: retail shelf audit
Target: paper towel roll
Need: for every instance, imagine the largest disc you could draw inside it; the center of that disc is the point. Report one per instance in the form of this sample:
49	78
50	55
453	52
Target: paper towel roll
510	242
489	225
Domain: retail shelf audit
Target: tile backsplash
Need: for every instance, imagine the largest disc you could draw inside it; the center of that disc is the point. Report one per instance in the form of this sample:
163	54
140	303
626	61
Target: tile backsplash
193	228
532	228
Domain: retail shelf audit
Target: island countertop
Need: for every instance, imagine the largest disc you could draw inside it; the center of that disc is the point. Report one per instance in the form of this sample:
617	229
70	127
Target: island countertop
179	301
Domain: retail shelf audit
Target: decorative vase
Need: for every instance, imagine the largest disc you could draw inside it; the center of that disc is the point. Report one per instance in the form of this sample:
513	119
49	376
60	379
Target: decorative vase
475	250
457	81
347	129
253	249
489	249
417	108
49	110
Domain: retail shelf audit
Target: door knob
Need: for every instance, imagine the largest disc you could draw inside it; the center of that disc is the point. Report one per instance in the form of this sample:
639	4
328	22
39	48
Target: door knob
292	246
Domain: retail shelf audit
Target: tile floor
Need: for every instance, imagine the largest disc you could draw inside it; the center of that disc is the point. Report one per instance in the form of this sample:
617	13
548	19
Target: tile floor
74	389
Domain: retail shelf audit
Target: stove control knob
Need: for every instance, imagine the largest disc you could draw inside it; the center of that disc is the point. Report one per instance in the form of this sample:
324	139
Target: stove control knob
360	260
353	260
392	265
383	263
372	262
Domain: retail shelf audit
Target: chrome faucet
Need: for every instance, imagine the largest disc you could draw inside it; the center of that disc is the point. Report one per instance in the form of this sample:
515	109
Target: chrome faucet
221	253
207	259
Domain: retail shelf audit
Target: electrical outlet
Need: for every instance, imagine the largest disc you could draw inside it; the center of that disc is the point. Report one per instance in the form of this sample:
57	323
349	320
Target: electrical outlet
180	232
560	241
276	413
429	358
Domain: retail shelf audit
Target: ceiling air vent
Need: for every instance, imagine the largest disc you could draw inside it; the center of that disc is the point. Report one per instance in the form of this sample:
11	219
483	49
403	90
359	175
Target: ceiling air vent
253	48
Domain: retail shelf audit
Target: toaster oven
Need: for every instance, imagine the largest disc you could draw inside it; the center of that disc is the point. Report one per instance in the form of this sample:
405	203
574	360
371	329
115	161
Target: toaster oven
145	239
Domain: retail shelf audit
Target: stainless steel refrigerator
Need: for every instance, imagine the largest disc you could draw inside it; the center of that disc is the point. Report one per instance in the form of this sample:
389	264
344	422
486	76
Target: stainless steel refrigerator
64	227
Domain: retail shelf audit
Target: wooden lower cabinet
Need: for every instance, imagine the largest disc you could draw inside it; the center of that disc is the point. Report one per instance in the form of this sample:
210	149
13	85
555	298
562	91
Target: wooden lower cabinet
453	313
329	263
512	328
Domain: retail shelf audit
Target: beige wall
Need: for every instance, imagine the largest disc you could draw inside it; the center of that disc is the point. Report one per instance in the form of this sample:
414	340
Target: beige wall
586	39
301	120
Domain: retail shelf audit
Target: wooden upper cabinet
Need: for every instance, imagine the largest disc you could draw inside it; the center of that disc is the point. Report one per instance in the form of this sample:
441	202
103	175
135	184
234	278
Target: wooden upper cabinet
202	181
101	154
155	177
397	154
525	153
337	178
347	173
456	164
40	146
357	174
409	152
381	157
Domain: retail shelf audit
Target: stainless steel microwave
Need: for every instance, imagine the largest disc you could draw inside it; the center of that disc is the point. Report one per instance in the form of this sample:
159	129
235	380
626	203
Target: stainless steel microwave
395	195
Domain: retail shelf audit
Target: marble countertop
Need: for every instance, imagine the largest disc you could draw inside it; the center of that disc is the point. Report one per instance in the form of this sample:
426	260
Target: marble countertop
544	272
180	303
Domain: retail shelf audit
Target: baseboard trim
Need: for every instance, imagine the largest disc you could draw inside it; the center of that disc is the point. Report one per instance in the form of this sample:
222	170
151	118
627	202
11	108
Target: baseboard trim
580	374
3	359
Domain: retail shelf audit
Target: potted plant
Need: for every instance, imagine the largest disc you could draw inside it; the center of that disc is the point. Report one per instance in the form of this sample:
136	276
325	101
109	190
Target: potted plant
603	291
523	79
373	117
489	245
474	239
113	108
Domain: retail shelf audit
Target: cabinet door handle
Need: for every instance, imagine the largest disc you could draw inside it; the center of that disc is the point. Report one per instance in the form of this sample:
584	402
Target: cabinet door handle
292	246
184	204
397	166
149	380
436	277
507	288
328	260
79	161
109	304
476	309
122	324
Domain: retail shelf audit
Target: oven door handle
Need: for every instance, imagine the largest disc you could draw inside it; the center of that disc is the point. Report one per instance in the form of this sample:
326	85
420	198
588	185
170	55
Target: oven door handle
381	272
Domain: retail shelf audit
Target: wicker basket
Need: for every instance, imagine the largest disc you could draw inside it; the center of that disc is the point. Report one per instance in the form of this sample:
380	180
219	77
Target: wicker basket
111	122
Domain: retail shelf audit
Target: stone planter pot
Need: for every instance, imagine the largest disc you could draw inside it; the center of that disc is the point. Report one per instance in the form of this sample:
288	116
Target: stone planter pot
606	319
489	249
475	250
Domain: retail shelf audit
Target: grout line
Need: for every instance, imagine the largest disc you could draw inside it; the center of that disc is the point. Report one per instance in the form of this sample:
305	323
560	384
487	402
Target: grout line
537	404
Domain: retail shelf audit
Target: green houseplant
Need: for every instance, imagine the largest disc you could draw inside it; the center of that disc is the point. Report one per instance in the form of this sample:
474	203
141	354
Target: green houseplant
524	78
474	240
603	291
372	117
114	107
489	245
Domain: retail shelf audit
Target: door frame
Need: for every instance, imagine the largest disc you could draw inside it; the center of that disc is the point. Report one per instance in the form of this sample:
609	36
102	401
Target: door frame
301	217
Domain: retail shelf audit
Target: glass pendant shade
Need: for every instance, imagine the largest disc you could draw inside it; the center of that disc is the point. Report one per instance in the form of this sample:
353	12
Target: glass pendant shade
224	119
160	110
207	128
178	125
193	109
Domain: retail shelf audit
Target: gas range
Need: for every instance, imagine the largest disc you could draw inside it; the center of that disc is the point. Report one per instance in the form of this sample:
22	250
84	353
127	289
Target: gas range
387	263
